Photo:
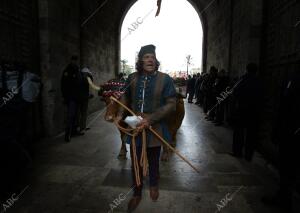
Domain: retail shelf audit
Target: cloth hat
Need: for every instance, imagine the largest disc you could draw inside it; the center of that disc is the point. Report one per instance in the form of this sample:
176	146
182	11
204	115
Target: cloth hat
87	70
146	49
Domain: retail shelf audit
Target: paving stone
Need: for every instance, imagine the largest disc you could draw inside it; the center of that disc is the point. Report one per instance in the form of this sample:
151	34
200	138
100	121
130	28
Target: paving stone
86	175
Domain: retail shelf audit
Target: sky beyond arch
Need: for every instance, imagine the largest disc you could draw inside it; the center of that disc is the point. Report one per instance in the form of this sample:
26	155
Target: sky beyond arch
176	33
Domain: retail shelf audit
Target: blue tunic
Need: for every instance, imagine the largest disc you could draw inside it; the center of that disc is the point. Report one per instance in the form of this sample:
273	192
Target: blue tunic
158	87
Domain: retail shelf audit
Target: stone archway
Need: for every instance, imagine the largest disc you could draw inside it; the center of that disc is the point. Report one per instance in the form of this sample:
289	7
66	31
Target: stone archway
225	25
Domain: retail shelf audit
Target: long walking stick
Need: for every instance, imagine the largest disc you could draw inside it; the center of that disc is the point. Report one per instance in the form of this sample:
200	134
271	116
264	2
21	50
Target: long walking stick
157	135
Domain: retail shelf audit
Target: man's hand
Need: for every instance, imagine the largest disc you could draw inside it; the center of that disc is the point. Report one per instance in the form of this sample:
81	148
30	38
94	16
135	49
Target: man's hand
144	124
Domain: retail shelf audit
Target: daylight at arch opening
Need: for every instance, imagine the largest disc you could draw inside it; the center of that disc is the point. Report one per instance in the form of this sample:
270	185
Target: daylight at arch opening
176	32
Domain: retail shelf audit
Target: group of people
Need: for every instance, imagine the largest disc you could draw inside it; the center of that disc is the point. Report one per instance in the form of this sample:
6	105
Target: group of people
205	88
244	101
76	95
214	92
149	93
152	95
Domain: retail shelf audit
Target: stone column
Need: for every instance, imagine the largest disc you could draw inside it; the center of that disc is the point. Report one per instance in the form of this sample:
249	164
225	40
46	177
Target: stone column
47	100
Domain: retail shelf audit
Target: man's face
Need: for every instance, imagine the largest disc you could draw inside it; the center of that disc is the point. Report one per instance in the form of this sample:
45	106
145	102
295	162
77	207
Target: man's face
149	60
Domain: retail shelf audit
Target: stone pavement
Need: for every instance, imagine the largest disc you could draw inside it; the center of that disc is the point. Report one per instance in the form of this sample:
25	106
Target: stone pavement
85	176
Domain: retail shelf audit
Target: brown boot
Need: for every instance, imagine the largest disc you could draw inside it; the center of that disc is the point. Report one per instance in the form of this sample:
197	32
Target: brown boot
154	193
133	203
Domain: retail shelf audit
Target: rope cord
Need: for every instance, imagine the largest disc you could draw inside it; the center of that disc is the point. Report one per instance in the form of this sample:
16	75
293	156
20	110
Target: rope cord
144	161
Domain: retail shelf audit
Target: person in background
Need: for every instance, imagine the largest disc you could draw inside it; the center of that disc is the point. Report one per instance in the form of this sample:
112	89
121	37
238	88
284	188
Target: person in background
122	77
209	95
70	87
197	87
85	96
191	88
204	78
221	83
248	96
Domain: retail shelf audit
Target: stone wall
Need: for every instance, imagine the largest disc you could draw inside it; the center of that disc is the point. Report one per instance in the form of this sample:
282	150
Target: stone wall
233	34
19	32
59	40
246	35
280	58
63	34
19	43
232	38
227	43
218	34
100	43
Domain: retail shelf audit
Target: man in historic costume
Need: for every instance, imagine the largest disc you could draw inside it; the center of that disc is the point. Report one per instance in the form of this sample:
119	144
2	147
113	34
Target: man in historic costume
152	95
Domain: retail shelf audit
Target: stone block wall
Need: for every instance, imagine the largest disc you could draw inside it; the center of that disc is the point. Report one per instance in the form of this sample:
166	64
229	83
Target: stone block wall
99	43
63	35
59	40
19	32
233	34
218	34
19	43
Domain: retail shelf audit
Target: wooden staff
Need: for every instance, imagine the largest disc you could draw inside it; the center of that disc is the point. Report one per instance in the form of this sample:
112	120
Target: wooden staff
157	135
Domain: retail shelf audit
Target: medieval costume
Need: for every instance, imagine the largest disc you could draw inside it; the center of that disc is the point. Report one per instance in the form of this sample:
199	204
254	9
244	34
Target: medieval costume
153	96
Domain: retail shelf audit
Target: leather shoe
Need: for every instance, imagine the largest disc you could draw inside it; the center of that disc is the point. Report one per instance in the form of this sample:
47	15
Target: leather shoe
154	193
133	203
